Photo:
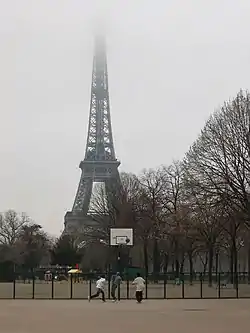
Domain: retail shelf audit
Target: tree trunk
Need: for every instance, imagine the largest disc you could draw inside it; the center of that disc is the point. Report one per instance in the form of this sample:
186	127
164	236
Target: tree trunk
173	266
205	264
177	262
145	254
231	265
248	263
216	265
191	266
166	262
210	265
182	264
156	256
235	256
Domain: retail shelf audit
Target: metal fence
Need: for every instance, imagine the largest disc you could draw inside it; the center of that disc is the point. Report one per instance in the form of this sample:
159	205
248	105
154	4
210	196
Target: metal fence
197	286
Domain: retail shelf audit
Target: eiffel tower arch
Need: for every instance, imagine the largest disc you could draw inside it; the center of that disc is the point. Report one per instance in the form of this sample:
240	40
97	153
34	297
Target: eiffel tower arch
100	163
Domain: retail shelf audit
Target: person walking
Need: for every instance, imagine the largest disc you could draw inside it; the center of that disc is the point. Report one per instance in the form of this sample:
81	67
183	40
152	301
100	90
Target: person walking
100	287
116	281
139	282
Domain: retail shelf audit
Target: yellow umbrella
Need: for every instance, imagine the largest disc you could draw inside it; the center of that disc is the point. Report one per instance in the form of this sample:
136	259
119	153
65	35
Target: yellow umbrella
74	271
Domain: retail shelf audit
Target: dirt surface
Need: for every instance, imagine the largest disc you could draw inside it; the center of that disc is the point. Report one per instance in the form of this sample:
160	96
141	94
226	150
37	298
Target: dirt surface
189	316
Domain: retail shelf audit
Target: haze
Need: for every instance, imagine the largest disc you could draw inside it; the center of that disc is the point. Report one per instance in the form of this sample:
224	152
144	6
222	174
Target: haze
170	64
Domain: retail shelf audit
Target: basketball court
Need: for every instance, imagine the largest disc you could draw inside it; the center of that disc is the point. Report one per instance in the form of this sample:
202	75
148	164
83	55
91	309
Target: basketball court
185	315
189	316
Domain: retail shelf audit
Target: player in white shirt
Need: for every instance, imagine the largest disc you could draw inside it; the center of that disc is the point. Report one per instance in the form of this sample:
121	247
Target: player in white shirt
100	286
139	282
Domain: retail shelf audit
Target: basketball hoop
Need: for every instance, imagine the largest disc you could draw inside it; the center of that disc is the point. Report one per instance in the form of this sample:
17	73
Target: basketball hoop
121	237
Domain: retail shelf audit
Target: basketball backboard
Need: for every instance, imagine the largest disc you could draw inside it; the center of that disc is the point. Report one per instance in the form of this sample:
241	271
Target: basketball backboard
121	236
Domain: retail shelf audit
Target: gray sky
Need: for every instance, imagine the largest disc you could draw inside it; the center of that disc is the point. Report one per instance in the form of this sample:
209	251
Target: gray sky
170	64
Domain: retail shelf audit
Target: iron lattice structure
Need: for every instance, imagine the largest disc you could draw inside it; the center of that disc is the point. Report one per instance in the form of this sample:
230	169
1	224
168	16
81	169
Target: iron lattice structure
100	163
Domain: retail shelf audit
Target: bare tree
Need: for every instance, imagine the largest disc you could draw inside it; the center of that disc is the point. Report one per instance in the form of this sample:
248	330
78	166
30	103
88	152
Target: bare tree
152	188
190	240
220	157
11	224
113	209
218	169
233	231
174	210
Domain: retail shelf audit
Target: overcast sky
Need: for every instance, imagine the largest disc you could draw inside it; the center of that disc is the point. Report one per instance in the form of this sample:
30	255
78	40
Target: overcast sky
170	64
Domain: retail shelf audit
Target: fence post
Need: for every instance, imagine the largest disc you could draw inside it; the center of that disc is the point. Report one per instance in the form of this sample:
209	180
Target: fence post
71	286
182	286
164	286
52	285
219	279
128	287
201	287
33	284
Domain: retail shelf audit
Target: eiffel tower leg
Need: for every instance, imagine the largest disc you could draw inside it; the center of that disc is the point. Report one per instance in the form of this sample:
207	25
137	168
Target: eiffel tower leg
76	219
83	195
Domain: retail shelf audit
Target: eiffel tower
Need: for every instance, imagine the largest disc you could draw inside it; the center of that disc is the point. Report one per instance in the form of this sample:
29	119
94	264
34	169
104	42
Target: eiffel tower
100	163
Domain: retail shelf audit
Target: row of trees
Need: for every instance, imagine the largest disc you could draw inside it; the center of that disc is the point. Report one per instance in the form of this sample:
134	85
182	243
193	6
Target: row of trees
24	245
192	215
